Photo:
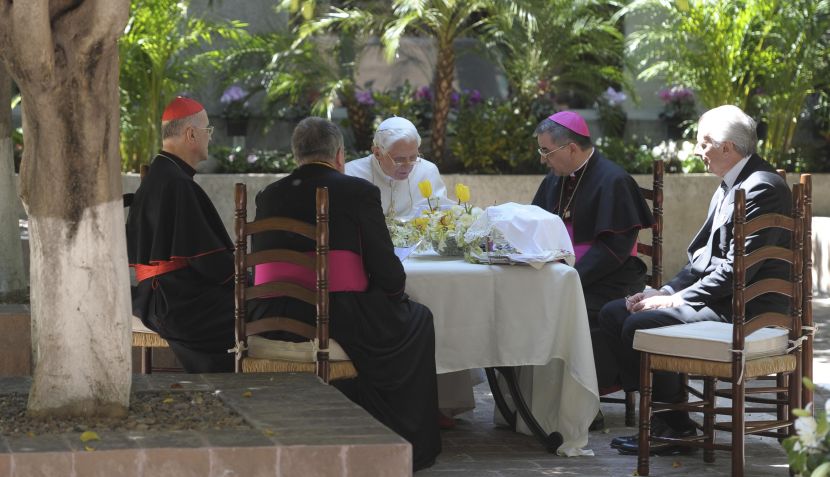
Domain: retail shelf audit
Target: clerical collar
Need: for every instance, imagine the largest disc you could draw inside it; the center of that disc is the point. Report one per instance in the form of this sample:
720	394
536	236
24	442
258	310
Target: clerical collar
320	163
573	174
185	167
730	177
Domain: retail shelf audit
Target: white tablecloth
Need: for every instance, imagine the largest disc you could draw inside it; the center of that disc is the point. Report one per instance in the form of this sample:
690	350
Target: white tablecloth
502	315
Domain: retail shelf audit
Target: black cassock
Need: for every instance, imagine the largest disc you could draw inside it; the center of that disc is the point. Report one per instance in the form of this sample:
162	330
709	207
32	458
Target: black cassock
605	209
390	339
172	220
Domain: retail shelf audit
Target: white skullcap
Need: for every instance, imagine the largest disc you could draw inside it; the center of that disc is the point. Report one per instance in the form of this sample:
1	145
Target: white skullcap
396	122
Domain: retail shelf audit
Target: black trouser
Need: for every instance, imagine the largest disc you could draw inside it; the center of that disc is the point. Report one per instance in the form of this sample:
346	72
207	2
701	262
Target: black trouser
626	280
618	327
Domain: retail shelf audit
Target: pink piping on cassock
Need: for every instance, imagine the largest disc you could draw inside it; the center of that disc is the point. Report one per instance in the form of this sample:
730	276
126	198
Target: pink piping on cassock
581	249
346	273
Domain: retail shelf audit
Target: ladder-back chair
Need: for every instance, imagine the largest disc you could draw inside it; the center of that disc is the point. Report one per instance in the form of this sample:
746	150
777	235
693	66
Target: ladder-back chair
256	353
735	352
654	279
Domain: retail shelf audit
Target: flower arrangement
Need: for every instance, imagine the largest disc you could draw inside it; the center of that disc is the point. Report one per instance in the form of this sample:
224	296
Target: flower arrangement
442	227
679	155
808	452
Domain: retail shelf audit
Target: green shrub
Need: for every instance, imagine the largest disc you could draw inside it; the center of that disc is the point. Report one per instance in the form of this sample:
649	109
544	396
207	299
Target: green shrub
236	160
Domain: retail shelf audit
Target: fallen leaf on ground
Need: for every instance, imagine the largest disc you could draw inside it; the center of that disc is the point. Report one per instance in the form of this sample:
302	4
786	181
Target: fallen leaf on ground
676	464
89	448
247	394
176	386
87	436
168	400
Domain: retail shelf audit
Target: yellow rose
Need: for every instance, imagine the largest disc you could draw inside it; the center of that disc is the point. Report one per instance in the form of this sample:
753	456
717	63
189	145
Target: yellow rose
426	188
462	192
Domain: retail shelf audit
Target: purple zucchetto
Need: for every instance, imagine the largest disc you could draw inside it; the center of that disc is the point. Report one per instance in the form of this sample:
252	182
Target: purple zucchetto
572	121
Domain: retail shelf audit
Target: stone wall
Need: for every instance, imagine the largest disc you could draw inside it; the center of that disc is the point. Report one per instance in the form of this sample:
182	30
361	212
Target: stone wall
686	198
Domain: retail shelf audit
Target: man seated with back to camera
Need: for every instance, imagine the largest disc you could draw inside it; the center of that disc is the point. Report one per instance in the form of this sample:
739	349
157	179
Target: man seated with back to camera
389	338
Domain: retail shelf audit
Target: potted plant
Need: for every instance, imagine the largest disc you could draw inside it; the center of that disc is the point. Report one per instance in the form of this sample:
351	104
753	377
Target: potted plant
678	109
235	113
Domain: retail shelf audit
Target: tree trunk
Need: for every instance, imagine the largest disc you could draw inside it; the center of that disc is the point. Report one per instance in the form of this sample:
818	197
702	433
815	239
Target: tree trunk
444	72
63	56
12	277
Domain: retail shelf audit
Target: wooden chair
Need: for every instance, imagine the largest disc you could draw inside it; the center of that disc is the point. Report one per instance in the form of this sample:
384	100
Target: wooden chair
255	353
655	278
144	338
736	352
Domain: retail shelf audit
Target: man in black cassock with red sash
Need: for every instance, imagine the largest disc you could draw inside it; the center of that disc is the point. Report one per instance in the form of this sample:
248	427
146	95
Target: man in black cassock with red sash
180	250
603	210
389	338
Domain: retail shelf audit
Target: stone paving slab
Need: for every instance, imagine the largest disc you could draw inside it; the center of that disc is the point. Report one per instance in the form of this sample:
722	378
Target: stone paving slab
301	427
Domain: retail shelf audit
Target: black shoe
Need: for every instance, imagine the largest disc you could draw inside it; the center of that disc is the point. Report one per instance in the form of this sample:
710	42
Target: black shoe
618	441
659	428
598	423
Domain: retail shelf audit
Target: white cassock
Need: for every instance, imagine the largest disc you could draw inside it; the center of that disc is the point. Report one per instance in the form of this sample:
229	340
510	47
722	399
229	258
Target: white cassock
455	390
403	197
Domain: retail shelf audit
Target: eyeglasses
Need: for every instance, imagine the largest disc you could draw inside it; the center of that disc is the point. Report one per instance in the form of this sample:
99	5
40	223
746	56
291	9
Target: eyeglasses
544	154
404	161
209	130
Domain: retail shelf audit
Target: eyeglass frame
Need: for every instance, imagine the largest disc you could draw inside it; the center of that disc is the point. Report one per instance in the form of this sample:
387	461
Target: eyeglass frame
546	154
406	162
209	130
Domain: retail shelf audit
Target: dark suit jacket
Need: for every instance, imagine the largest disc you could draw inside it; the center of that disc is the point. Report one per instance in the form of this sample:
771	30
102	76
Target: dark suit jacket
706	280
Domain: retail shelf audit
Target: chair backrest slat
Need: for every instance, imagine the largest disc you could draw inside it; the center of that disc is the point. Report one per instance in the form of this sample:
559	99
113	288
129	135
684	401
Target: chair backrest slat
768	285
279	255
280	323
282	224
766	221
764	320
769	252
281	289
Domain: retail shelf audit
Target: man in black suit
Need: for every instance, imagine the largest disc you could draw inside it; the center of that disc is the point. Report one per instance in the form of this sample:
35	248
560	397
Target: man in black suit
389	338
702	290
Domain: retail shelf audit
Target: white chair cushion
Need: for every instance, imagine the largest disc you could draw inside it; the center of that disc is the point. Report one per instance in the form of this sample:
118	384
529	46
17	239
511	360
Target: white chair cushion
305	351
138	326
709	340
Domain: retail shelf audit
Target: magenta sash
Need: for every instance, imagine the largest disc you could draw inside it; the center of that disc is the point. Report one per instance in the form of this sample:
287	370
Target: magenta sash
346	273
581	249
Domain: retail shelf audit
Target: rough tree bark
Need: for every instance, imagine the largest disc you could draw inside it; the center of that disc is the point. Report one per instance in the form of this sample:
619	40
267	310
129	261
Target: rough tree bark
12	276
63	56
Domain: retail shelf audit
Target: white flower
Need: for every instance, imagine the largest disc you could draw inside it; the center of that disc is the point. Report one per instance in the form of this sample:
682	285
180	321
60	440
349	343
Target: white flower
806	428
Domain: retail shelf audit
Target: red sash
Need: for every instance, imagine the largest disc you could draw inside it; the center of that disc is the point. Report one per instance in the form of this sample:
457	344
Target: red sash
143	272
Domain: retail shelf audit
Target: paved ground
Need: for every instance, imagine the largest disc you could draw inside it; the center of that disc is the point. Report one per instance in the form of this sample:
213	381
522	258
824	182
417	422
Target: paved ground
476	447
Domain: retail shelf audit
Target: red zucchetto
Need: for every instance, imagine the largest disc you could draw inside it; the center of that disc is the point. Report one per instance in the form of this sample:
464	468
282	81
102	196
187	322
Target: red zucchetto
181	107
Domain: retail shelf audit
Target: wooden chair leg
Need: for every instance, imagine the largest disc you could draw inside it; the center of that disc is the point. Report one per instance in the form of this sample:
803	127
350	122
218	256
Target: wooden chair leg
645	413
709	418
630	409
782	410
146	360
738	427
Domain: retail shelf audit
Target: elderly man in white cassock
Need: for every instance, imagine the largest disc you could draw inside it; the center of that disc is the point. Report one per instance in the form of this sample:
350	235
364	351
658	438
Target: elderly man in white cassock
396	168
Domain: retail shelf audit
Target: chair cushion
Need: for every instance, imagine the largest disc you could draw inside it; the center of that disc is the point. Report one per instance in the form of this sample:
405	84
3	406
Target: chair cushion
138	326
709	340
305	351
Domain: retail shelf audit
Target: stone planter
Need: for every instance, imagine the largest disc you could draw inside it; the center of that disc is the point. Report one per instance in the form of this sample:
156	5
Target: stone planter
15	341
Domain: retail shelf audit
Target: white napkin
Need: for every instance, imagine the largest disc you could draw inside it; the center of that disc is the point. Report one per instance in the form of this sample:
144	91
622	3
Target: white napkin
535	233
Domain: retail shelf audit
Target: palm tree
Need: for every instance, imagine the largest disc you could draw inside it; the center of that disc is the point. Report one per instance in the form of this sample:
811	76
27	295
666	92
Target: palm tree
445	21
162	52
761	55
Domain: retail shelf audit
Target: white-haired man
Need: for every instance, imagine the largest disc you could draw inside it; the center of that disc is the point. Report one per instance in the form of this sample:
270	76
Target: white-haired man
396	168
702	290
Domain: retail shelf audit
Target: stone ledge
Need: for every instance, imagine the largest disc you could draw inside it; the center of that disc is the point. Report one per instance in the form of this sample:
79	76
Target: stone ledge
301	428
